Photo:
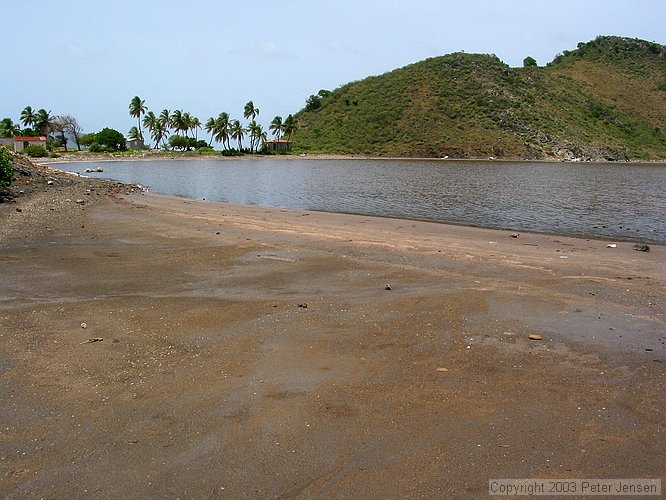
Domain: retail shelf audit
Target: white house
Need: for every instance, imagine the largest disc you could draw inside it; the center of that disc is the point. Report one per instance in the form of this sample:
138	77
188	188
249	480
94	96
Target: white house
20	142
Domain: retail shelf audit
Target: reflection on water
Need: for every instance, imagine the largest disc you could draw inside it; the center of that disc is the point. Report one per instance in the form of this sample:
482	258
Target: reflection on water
615	201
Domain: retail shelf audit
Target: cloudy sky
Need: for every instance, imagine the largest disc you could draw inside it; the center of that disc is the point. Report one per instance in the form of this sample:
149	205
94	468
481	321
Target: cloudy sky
89	58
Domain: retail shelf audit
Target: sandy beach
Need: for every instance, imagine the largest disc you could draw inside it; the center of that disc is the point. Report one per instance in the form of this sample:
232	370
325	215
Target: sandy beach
160	347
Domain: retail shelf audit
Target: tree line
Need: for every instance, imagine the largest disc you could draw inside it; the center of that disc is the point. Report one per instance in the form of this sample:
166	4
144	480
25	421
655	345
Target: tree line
178	129
168	130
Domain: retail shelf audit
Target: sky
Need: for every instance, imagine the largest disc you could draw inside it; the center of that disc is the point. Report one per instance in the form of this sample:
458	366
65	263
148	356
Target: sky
88	59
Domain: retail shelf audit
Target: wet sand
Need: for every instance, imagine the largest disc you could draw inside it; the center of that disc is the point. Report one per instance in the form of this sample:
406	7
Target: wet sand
254	352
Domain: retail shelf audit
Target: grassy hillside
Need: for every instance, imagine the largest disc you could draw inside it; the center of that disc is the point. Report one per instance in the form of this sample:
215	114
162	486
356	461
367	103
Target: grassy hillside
606	99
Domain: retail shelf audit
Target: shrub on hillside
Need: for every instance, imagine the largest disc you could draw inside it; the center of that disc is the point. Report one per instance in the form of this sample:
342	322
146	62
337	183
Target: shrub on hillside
6	170
36	151
529	62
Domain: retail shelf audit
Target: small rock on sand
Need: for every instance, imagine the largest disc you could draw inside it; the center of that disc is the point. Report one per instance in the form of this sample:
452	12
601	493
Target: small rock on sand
534	336
641	248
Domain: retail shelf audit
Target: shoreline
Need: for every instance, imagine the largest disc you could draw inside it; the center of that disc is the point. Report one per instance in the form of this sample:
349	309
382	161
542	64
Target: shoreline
160	346
614	239
146	156
493	230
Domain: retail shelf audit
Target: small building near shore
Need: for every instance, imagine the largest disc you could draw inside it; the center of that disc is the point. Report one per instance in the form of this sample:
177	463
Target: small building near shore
278	145
137	144
22	142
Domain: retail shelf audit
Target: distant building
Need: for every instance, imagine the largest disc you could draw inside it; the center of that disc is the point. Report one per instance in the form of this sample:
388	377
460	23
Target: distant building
20	143
278	145
135	144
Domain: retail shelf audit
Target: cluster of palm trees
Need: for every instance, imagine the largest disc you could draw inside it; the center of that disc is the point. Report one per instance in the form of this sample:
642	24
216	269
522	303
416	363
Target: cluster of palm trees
40	121
223	129
160	126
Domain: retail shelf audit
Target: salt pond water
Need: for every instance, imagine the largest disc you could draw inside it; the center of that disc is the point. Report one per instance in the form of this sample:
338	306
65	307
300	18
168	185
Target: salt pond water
611	201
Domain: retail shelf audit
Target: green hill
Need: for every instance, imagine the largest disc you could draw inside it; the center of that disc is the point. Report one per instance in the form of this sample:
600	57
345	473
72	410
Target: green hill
606	99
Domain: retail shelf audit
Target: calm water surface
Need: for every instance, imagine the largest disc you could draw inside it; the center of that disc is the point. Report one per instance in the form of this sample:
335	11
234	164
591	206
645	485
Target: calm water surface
613	201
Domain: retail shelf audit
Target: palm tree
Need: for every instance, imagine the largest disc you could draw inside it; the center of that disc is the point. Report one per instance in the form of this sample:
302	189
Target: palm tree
262	136
276	127
289	126
195	124
210	128
187	123
178	121
165	122
237	132
137	107
222	129
150	121
28	116
255	132
157	133
43	122
165	118
250	111
252	130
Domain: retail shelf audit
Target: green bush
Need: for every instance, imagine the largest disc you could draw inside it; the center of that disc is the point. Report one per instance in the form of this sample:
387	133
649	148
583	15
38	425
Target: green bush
232	152
88	139
206	151
179	142
198	144
529	62
111	139
6	170
36	151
